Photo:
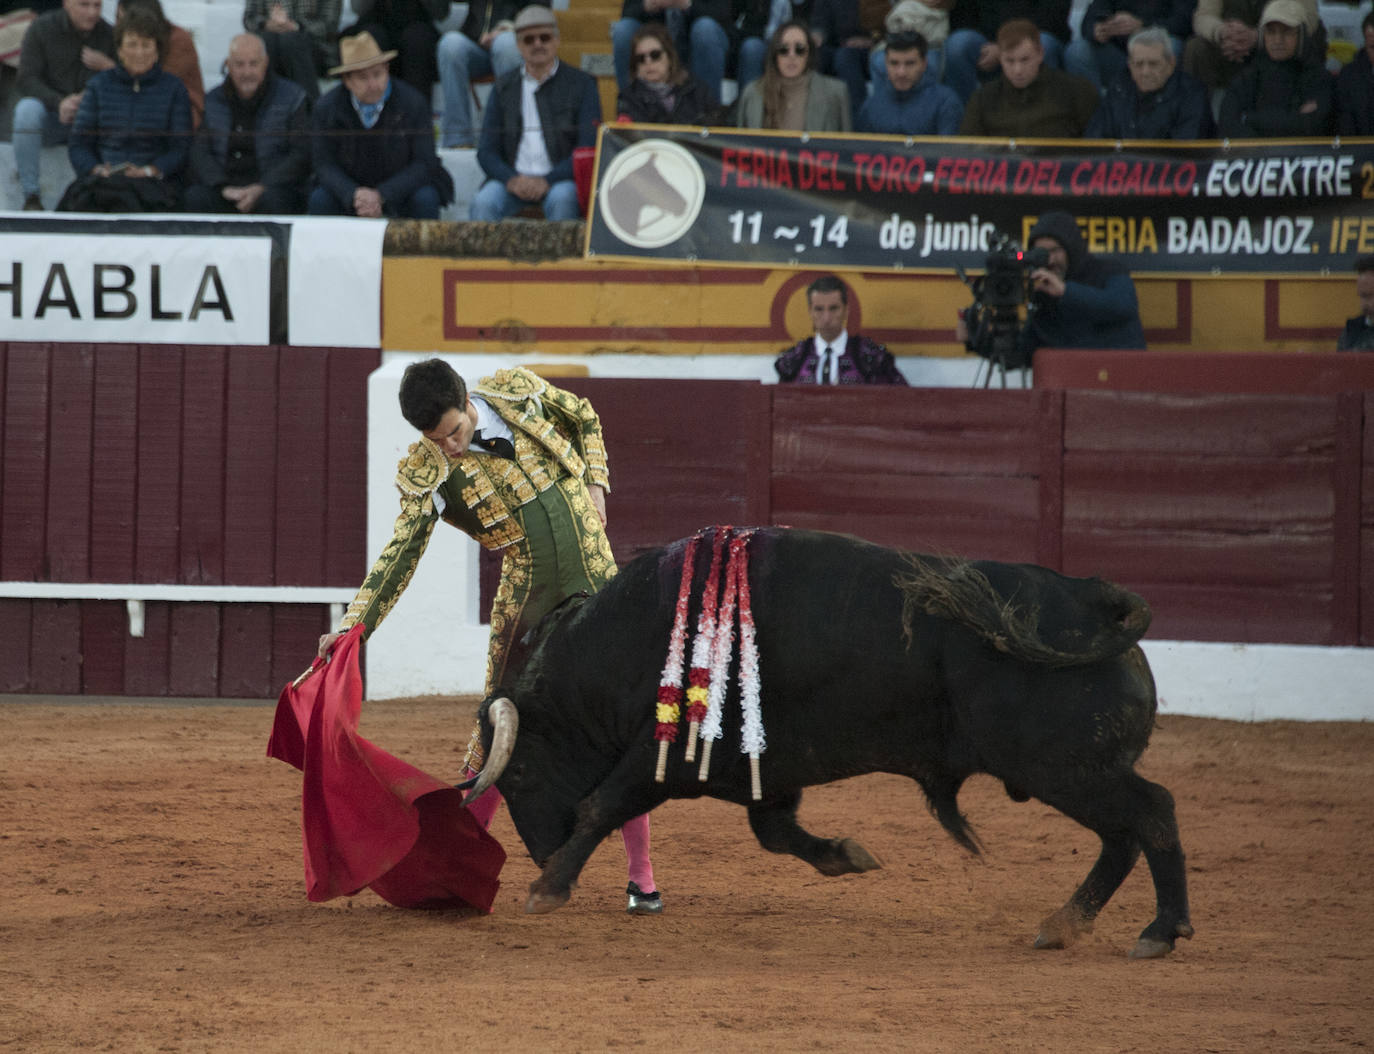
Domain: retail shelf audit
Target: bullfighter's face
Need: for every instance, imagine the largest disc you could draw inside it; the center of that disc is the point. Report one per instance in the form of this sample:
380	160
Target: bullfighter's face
453	433
829	313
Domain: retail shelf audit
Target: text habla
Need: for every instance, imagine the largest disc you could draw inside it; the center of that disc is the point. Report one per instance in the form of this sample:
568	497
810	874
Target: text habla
115	293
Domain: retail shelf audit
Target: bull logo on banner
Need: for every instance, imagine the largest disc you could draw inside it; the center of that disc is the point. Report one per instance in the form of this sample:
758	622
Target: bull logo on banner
652	193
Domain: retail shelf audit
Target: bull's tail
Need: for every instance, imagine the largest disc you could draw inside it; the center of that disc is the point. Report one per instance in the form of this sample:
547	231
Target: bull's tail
959	591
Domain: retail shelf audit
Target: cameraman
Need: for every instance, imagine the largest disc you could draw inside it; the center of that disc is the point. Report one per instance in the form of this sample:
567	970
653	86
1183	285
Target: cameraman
1079	300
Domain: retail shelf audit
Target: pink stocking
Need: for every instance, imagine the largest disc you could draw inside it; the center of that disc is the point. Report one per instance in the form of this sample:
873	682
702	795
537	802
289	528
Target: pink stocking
636	836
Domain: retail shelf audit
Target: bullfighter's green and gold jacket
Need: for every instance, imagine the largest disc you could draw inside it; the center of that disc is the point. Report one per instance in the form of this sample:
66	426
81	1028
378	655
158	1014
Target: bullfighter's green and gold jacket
559	450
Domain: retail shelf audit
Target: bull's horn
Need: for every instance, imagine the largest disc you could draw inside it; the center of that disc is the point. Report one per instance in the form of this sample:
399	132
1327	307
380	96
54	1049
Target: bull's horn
505	722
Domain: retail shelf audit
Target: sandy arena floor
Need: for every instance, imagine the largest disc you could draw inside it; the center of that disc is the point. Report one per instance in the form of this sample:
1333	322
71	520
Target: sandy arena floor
155	902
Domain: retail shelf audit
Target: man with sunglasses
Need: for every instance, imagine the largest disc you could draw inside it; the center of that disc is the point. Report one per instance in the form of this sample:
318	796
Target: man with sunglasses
536	116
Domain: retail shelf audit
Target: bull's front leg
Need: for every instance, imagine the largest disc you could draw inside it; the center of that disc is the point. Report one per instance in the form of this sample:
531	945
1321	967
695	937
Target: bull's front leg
625	794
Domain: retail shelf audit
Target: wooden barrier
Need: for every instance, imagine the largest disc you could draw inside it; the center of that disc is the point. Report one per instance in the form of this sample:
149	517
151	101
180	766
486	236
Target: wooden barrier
1240	517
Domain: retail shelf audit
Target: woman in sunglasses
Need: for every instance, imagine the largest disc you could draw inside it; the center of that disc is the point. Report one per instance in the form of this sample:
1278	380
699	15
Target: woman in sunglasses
791	95
660	90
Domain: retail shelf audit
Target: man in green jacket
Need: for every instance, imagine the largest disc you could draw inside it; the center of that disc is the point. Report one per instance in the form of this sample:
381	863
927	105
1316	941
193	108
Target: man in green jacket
1029	100
518	465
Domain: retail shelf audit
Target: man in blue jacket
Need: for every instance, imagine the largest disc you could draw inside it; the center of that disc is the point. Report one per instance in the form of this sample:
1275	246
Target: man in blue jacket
1153	99
373	143
1079	300
911	101
534	165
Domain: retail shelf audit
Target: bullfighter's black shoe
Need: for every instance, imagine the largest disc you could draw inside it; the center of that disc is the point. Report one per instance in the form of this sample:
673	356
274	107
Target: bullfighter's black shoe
643	903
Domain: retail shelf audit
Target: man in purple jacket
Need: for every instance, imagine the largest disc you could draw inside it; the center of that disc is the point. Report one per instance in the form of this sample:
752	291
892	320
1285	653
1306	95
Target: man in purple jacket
833	355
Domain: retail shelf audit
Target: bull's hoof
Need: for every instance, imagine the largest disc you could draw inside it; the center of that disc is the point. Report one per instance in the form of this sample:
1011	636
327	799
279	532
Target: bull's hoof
847	857
860	859
1062	929
540	903
1150	947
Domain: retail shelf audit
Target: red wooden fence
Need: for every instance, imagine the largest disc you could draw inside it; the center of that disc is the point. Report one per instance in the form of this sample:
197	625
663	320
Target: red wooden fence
1239	517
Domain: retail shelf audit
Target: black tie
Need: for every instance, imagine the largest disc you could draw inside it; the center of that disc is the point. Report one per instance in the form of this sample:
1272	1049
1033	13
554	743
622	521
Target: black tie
499	446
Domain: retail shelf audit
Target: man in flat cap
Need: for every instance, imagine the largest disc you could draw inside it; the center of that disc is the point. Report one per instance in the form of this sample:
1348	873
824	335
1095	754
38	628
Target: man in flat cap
536	116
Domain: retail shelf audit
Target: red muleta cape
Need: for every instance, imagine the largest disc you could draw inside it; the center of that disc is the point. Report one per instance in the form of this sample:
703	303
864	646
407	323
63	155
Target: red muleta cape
367	818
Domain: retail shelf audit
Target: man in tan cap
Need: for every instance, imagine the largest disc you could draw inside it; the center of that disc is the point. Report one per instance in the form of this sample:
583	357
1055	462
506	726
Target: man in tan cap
536	116
373	143
1226	34
1281	91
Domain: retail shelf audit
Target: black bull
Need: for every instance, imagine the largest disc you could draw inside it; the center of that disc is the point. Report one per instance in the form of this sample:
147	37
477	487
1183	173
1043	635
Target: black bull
871	660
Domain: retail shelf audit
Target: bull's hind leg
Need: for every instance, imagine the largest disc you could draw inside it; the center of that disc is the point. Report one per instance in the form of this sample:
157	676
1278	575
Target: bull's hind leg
1128	813
775	826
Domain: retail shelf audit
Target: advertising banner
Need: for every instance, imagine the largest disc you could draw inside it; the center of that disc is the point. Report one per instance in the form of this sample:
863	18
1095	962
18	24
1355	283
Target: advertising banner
878	202
181	280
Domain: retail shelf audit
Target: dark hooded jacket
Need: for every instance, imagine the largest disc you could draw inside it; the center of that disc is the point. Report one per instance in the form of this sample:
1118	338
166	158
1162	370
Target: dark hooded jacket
1099	307
1179	110
1265	97
1355	97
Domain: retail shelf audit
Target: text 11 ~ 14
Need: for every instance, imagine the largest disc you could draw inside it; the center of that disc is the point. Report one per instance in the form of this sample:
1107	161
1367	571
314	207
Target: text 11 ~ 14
750	228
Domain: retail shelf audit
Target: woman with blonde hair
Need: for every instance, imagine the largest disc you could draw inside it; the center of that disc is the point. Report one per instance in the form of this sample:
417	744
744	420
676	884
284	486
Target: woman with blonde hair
791	95
660	90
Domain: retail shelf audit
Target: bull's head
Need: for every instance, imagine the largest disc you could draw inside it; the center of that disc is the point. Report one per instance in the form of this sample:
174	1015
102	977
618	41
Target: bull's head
532	766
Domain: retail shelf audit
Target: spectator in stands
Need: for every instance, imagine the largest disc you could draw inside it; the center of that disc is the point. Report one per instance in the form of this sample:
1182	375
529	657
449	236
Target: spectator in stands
61	52
178	56
930	18
910	100
1359	331
1226	34
833	355
1355	88
662	92
755	23
1080	300
1280	92
846	32
972	54
253	151
534	166
405	27
1099	54
484	47
791	95
1152	98
1029	99
373	142
699	28
133	129
300	35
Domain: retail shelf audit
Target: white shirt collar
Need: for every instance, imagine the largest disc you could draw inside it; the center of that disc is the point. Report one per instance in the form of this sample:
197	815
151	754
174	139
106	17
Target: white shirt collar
837	345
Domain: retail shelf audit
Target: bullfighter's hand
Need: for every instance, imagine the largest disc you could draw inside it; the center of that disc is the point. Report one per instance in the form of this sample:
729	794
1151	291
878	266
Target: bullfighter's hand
327	642
598	495
1043	280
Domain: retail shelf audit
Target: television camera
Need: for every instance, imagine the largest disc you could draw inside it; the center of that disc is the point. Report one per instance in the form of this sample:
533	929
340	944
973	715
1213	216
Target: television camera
995	319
